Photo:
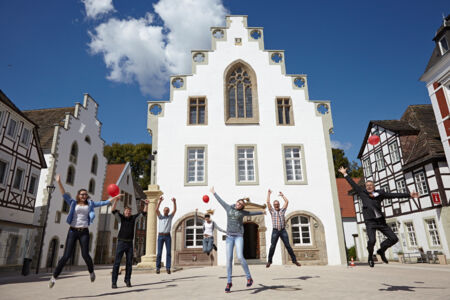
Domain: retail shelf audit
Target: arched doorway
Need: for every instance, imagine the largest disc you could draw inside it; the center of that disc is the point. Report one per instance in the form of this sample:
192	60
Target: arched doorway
251	241
52	253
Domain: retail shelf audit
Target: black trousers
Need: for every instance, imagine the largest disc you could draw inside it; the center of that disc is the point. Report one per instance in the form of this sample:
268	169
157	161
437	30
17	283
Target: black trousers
127	248
372	225
276	234
72	237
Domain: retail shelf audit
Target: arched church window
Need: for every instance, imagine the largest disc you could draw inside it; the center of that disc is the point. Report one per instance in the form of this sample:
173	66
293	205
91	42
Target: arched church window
73	153
241	99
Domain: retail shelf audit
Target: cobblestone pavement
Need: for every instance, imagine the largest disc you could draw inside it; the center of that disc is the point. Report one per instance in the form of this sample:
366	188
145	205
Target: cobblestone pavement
393	281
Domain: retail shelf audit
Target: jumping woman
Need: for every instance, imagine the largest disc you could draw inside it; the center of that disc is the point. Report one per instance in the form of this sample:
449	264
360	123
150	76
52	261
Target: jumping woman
81	215
235	232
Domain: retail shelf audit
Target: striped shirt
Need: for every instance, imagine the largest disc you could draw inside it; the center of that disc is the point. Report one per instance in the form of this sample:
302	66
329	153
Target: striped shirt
278	221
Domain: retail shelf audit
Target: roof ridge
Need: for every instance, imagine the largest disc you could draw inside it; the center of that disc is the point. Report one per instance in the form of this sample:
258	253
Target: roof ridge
51	108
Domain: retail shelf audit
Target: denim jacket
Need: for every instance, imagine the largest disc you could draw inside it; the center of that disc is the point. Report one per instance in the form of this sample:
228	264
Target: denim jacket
92	204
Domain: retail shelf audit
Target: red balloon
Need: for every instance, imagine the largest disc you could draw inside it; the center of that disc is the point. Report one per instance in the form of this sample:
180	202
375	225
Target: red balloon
206	198
374	139
113	190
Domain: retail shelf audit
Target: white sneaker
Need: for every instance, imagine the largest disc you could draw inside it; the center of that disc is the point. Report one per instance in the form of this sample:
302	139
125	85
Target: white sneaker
52	282
92	276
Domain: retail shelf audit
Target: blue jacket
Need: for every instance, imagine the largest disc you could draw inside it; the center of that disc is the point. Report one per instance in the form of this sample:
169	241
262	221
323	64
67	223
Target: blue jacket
92	204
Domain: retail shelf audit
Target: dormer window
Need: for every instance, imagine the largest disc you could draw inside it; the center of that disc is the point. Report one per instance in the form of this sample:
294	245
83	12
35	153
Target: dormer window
443	45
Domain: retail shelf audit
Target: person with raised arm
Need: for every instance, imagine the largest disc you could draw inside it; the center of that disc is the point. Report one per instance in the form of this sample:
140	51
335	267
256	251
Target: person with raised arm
80	216
235	232
373	216
279	228
209	226
165	224
125	240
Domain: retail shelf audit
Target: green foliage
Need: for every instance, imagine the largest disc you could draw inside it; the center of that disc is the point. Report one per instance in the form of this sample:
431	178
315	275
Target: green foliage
351	252
138	155
339	159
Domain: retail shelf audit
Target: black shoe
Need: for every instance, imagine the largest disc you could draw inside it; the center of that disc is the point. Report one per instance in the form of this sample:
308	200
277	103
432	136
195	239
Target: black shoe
268	264
214	247
371	263
128	283
383	256
207	253
249	282
157	271
168	271
228	288
114	286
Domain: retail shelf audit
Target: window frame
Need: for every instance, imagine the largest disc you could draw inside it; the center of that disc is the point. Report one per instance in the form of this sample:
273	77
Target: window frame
304	180
205	165
72	183
405	186
195	227
428	232
291	112
254	89
4	180
92	180
74	157
408	239
425	182
14	134
36	183
27	142
367	168
396	151
380	160
440	45
94	170
386	189
197	105
13	183
255	163
300	225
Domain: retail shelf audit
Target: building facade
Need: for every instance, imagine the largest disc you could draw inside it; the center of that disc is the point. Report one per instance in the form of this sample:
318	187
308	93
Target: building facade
437	79
108	228
21	162
73	147
347	211
409	157
243	125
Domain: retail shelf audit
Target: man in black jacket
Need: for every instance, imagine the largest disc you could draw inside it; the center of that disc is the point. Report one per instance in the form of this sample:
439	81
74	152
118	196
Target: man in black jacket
125	241
373	215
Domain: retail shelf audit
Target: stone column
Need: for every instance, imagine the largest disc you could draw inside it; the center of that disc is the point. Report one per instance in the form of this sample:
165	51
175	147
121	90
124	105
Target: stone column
149	259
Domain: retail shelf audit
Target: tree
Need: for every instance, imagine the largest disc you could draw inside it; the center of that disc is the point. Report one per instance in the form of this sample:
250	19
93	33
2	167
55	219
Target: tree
339	159
137	155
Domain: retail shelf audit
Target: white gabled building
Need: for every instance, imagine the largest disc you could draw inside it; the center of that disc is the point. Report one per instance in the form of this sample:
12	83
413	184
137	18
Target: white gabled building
21	161
243	125
73	147
108	227
409	157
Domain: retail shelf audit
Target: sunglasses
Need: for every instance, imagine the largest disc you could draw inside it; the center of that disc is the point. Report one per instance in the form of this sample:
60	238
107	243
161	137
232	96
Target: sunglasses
84	194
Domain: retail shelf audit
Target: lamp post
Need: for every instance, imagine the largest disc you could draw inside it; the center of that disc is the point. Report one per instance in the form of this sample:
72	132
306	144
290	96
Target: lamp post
50	190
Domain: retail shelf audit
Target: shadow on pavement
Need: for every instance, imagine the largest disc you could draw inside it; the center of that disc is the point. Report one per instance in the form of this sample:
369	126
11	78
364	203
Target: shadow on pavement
405	288
300	278
225	277
35	278
263	288
106	294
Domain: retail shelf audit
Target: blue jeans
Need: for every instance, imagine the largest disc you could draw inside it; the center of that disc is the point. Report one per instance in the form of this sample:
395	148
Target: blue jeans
239	242
285	238
127	248
72	237
164	239
208	244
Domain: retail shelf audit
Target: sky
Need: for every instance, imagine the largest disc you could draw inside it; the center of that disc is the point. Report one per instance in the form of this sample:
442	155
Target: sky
366	57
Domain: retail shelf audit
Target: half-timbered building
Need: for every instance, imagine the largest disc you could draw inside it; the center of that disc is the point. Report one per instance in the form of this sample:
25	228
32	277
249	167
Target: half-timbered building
408	157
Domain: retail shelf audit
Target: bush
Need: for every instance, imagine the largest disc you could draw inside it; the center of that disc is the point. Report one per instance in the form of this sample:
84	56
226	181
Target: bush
351	252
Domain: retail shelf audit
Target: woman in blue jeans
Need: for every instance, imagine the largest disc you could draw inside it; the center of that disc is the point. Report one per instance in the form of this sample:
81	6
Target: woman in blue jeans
235	232
81	215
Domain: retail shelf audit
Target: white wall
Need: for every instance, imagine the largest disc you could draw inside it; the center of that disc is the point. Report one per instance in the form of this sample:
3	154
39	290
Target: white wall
350	228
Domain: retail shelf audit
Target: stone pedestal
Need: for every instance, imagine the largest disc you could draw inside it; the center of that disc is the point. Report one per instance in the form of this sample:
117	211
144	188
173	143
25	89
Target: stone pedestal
148	261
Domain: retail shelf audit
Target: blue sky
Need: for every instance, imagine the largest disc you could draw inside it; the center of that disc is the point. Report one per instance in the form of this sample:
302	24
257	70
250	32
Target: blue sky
364	56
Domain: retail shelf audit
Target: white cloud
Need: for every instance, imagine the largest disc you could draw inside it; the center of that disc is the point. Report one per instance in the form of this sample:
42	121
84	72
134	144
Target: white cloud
96	8
340	145
141	50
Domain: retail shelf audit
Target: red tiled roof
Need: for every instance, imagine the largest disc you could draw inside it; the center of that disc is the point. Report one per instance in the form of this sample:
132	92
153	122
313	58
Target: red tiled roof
113	172
346	200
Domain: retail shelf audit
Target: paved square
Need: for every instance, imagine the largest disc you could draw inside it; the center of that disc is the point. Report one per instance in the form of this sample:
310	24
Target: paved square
393	281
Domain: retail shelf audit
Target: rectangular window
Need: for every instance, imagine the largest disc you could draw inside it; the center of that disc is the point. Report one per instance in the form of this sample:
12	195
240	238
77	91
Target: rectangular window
401	186
18	177
3	170
284	111
411	234
385	188
394	227
11	131
58	217
421	183
433	232
246	164
395	153
443	45
293	160
197	111
301	230
367	168
379	159
25	136
195	165
65	207
32	186
194	233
